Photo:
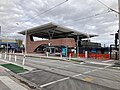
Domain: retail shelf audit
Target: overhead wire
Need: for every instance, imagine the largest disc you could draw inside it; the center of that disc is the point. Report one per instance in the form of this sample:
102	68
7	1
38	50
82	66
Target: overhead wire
53	7
97	14
108	7
91	16
47	10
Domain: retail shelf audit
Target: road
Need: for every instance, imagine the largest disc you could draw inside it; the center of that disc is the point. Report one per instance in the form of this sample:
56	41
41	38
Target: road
61	75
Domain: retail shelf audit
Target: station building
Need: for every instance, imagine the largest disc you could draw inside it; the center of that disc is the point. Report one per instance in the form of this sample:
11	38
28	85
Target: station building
55	38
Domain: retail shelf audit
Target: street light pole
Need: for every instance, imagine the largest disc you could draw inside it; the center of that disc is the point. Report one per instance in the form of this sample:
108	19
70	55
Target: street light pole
25	42
7	43
0	31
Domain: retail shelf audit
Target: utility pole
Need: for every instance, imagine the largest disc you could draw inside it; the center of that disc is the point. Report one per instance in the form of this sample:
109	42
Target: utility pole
78	39
119	30
25	42
0	30
7	44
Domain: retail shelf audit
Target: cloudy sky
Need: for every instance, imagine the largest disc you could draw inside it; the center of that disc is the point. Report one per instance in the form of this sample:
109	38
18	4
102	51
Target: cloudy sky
18	15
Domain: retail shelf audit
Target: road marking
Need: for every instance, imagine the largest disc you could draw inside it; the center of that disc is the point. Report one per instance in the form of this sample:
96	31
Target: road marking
27	72
77	75
94	70
91	71
108	61
36	71
88	72
11	84
54	82
88	79
100	63
47	61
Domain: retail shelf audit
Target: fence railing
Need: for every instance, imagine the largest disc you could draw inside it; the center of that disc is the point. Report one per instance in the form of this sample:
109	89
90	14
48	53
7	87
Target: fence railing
91	55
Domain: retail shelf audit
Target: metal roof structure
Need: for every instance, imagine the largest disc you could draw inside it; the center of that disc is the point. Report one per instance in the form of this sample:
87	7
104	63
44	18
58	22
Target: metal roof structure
54	31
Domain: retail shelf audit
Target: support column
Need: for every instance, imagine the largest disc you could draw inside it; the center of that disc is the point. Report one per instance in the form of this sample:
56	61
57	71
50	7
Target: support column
78	45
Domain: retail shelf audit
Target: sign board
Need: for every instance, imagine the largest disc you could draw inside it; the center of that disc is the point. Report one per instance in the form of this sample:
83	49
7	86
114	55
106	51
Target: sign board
93	50
63	52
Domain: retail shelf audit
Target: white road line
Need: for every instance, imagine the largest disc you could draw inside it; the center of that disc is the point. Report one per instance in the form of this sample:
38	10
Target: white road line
87	72
94	70
77	75
47	62
31	71
84	66
11	84
91	71
100	63
108	61
36	71
54	82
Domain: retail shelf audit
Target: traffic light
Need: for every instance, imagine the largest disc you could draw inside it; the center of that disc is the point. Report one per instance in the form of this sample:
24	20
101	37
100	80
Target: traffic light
116	37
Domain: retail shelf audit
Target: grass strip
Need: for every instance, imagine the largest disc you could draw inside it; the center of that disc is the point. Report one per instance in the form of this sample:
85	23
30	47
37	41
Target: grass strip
14	68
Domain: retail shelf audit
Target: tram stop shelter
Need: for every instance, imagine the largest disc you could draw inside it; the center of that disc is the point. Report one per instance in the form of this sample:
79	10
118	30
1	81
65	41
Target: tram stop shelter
55	38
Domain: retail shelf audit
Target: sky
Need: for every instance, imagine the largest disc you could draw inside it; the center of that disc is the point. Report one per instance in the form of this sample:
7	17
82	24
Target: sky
19	15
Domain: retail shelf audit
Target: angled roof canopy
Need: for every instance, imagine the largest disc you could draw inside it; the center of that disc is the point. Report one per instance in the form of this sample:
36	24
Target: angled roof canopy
54	31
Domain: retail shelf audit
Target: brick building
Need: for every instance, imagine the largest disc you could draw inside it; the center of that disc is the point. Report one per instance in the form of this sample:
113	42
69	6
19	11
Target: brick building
54	35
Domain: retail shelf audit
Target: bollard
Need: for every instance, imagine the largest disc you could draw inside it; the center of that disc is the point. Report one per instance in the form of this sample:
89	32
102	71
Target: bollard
61	55
15	58
47	54
86	54
0	55
23	60
9	57
5	56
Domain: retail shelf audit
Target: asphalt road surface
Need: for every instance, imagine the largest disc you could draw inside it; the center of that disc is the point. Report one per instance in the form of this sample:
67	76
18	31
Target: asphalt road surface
65	75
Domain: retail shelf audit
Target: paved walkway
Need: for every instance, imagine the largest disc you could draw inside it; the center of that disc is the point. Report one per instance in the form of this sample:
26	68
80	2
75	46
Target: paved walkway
6	83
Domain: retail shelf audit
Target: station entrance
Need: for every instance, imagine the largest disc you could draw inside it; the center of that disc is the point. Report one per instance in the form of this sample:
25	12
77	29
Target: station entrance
52	50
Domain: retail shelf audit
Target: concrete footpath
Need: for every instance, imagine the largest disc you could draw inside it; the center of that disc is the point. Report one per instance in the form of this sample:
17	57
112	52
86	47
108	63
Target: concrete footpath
7	82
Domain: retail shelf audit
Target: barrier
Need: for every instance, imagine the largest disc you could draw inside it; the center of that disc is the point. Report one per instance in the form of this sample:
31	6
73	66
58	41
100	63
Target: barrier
99	56
91	55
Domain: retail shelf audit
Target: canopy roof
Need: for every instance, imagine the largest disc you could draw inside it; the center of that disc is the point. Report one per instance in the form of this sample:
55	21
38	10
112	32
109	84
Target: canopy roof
54	31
